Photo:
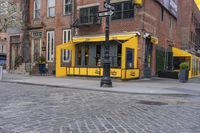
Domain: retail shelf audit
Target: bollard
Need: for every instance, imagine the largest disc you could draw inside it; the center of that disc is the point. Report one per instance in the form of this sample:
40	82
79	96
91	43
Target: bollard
1	72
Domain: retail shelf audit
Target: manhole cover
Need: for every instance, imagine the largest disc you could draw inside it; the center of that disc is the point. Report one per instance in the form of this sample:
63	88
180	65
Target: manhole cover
151	102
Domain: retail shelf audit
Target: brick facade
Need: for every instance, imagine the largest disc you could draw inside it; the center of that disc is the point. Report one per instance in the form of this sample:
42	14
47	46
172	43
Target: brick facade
147	19
189	26
45	24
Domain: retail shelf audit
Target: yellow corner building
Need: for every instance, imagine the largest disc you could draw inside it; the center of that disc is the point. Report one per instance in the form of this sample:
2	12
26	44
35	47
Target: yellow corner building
83	56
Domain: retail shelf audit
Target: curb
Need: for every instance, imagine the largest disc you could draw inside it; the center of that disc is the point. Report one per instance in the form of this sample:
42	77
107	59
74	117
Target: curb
97	90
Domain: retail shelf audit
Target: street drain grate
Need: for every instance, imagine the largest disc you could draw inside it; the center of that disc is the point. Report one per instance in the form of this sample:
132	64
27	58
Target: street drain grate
151	103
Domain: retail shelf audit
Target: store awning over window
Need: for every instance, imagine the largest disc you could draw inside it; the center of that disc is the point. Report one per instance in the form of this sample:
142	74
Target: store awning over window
180	53
101	38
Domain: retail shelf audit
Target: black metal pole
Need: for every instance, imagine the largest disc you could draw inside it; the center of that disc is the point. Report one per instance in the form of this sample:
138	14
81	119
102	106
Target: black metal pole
106	80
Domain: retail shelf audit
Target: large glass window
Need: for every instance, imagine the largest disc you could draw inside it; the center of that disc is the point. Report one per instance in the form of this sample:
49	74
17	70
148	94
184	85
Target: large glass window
79	56
92	54
119	55
98	55
123	10
129	58
88	15
67	55
50	46
51	8
66	38
67	7
37	6
86	55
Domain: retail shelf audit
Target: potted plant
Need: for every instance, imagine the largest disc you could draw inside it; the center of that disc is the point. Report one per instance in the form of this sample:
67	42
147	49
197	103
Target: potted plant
184	72
41	64
53	71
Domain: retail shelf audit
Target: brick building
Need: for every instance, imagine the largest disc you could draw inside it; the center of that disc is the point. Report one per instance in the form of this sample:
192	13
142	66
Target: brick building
52	22
190	26
154	19
48	25
15	38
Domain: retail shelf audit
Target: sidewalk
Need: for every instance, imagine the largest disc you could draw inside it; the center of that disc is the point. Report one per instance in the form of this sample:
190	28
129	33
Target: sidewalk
141	86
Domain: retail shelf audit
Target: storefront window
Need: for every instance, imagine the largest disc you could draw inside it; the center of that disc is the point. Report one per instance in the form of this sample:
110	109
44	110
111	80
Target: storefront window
79	53
119	55
129	58
92	54
86	55
98	55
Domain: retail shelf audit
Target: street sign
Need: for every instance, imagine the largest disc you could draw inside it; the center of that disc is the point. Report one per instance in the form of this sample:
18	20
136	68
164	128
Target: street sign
105	13
108	6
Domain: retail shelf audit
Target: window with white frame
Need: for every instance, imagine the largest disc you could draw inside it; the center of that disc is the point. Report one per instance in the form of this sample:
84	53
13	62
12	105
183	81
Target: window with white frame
50	46
51	8
37	7
66	35
67	54
66	38
67	7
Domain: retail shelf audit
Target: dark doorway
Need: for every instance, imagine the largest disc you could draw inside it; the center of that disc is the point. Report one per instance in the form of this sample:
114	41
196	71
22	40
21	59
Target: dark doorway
148	58
160	59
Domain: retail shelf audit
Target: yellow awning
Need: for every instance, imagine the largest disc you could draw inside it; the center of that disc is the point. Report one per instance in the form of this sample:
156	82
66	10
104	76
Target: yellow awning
180	53
65	45
101	38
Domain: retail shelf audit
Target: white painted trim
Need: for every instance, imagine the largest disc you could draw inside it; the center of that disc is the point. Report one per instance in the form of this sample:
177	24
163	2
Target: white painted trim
88	5
68	39
52	35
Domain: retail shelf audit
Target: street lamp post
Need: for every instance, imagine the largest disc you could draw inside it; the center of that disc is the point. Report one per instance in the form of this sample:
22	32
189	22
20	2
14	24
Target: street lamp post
106	80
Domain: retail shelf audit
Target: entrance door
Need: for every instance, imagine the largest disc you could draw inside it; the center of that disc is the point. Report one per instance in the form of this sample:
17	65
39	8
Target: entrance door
14	54
148	59
36	49
160	60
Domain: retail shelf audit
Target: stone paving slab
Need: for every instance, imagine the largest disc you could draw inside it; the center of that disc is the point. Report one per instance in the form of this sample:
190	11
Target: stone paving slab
42	109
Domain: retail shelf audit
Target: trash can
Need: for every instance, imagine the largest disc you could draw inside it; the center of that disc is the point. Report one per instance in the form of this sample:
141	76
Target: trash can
1	72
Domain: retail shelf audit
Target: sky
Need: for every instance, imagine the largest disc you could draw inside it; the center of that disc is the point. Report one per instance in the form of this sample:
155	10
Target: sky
198	3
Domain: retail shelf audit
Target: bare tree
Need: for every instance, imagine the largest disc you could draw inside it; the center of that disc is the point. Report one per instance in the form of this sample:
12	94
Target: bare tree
10	14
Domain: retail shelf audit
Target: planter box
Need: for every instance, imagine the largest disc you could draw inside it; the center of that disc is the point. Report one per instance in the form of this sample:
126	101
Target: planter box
42	68
183	75
168	74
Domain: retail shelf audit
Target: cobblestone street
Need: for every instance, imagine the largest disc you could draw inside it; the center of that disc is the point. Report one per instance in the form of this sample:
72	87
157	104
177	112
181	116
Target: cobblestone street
40	109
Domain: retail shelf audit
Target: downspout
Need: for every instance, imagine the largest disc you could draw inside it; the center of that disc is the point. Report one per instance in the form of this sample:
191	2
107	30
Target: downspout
73	18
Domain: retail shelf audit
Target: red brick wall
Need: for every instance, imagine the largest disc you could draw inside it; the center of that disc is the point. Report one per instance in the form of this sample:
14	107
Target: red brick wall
146	19
57	23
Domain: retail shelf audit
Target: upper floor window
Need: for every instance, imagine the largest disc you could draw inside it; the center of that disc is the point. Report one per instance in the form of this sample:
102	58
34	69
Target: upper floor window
51	8
37	6
66	35
170	22
67	7
88	15
162	14
123	10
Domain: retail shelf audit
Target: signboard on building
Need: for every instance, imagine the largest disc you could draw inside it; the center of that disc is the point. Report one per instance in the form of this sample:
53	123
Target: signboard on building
15	39
171	6
37	34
